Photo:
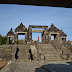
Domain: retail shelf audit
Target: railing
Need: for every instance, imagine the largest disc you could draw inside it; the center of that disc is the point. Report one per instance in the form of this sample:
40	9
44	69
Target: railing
68	45
56	45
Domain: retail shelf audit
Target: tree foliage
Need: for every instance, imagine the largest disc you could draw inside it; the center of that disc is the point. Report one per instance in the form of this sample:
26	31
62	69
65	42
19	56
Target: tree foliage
0	39
68	40
3	39
21	41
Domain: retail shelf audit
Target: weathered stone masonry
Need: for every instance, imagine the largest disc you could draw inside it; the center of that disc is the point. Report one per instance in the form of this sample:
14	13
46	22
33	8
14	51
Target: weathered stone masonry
46	33
47	50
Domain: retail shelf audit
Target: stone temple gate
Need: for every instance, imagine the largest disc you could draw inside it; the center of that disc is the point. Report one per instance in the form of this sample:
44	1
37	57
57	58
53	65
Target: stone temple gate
47	50
36	31
46	33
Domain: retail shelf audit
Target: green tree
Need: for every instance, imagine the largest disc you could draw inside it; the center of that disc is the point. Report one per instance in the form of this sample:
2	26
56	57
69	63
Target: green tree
4	39
21	41
68	40
0	39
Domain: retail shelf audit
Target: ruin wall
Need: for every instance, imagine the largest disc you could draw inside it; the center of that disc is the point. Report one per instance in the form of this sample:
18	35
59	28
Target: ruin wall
7	52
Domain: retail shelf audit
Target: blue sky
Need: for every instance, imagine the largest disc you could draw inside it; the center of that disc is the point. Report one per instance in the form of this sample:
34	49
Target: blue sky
13	15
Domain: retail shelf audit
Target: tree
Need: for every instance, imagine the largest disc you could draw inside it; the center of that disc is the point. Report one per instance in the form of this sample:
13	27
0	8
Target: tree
0	39
3	39
21	41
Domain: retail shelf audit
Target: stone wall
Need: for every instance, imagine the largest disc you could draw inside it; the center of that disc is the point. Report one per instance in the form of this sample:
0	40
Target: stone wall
5	52
52	51
63	48
9	52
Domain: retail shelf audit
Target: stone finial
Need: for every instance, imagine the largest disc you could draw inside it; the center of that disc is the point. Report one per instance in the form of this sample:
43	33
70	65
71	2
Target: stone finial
11	29
21	24
20	28
61	30
10	33
52	24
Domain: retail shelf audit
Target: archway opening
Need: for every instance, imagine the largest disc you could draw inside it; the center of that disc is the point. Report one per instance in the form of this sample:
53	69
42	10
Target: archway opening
63	39
53	36
10	40
35	36
21	38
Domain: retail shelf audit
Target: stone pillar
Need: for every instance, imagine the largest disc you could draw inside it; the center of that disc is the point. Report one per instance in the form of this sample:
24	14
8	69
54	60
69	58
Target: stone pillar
42	36
16	38
49	36
30	34
45	36
26	36
7	40
65	39
13	40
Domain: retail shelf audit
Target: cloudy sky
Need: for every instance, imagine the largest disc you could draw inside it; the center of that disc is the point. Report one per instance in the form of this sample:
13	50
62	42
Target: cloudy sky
13	15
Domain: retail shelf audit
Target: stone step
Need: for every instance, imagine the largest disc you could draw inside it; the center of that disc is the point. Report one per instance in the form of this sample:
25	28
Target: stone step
51	58
51	55
49	52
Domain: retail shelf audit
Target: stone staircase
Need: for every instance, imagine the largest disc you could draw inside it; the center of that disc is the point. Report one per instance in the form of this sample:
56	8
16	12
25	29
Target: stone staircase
48	51
61	49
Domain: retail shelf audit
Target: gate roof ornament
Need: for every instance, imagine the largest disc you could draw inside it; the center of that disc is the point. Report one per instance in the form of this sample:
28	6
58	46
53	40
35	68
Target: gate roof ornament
62	33
53	28
21	28
10	33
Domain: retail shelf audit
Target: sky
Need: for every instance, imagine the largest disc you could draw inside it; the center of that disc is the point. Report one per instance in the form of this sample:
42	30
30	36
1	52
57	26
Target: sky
12	15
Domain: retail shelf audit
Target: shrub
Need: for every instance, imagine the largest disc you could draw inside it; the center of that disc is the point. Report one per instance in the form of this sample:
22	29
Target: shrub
3	39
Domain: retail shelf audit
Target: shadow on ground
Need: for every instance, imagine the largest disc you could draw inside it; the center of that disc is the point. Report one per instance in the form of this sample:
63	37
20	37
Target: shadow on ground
60	67
38	67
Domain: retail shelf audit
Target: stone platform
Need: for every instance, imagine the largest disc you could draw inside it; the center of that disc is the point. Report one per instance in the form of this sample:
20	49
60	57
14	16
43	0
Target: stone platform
38	67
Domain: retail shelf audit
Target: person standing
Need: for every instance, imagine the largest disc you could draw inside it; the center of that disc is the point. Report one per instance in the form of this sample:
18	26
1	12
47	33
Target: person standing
38	38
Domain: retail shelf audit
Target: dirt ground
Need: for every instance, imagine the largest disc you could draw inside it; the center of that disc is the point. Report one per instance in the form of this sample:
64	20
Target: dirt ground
2	64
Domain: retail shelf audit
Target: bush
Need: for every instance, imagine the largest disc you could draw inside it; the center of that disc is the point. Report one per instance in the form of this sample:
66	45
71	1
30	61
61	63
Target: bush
0	39
3	39
21	41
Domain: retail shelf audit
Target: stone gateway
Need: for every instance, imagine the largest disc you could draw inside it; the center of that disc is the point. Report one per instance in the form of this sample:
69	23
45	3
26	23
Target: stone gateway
57	49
